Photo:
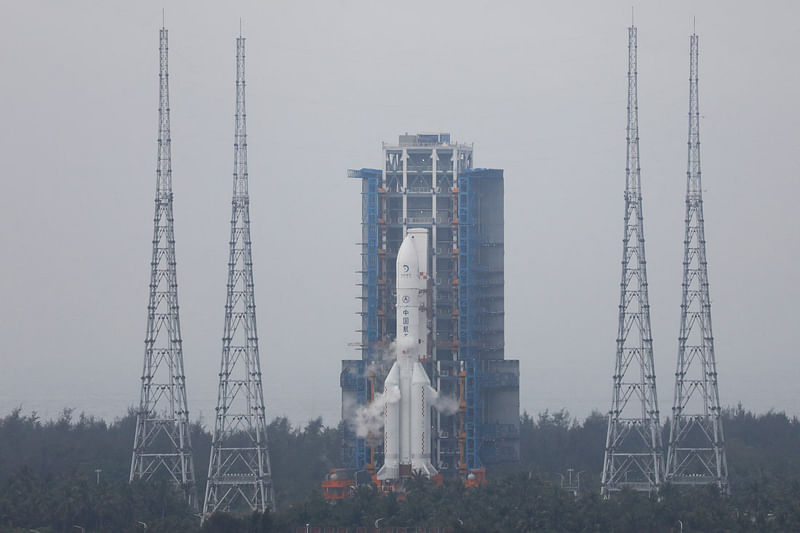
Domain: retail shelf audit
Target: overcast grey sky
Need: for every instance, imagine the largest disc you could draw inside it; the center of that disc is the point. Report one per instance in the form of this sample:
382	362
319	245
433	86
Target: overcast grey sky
539	87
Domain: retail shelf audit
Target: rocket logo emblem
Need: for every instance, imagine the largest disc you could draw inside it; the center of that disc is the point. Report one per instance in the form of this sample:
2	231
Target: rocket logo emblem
405	268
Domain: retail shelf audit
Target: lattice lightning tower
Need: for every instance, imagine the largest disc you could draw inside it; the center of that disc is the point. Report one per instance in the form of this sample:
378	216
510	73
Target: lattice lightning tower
633	452
696	453
162	446
239	473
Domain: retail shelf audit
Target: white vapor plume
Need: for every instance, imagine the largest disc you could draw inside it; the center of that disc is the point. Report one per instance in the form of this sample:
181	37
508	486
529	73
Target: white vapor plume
369	418
446	405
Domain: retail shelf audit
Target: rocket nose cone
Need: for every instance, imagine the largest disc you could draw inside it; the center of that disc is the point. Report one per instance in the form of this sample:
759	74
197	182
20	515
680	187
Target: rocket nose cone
418	374
407	261
393	378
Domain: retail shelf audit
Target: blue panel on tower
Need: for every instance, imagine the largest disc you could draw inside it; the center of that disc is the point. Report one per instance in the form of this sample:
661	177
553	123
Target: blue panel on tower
480	298
355	446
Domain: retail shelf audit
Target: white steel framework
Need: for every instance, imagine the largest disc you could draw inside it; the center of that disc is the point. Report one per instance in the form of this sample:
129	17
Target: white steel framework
162	446
239	473
696	453
633	451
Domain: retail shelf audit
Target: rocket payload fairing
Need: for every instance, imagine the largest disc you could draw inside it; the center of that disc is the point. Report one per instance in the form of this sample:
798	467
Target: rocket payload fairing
407	390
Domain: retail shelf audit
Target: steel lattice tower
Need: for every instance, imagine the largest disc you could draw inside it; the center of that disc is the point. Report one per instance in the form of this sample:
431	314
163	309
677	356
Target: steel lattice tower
239	473
633	452
696	453
162	446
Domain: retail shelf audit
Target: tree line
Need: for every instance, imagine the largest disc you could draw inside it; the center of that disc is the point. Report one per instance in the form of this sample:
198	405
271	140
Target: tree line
72	472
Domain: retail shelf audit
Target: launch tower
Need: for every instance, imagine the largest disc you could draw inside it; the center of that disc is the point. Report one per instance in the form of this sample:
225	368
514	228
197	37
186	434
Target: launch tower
428	181
239	473
162	447
633	451
696	453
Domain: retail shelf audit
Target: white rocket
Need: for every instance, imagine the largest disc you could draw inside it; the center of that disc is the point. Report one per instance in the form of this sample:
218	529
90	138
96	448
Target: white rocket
407	389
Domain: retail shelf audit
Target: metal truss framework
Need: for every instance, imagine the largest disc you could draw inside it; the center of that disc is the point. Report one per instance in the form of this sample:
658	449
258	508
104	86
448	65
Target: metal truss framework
239	472
696	453
633	452
162	447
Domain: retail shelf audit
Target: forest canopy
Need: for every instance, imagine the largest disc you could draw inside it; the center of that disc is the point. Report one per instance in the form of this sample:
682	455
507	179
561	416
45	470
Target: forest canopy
72	472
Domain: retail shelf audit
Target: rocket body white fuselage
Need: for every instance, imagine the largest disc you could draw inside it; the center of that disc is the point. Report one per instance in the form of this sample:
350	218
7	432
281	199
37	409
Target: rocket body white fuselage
407	421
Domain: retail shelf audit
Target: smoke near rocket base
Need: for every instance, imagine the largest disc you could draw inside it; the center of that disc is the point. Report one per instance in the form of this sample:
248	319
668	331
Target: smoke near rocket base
369	418
445	405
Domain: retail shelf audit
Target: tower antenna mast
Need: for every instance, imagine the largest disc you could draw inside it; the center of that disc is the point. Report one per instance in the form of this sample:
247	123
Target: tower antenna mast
162	447
633	451
696	453
239	472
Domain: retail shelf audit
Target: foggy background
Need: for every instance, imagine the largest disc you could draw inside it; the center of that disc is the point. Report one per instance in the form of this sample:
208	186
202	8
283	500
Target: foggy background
539	87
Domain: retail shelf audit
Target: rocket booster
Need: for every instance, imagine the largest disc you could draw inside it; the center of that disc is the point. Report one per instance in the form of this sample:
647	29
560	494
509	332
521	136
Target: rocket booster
407	420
